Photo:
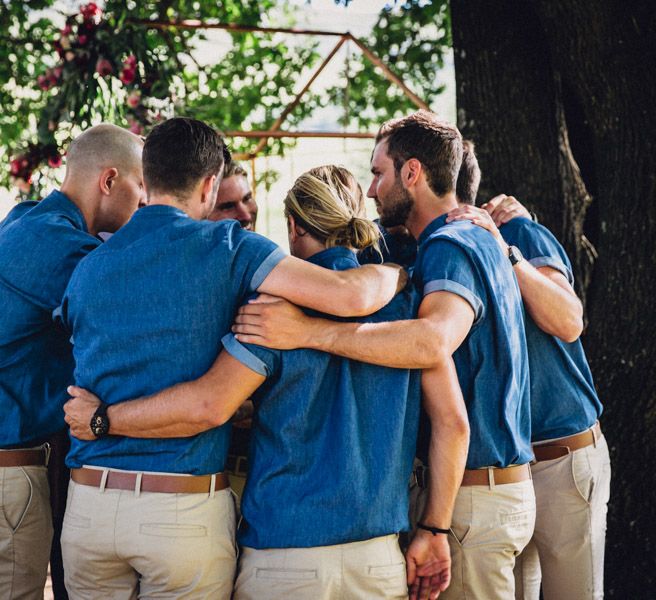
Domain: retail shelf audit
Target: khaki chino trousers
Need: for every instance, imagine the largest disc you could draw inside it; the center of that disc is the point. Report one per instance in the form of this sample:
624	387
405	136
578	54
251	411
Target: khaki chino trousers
567	549
25	532
121	545
372	568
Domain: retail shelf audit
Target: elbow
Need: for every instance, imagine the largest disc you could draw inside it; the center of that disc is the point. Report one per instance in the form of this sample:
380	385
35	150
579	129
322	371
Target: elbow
433	352
572	332
569	329
355	302
210	415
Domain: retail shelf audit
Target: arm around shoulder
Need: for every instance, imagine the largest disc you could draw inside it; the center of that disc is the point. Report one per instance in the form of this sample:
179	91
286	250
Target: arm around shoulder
350	293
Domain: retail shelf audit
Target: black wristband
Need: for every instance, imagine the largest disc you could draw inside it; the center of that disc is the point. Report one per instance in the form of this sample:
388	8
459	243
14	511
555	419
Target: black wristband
433	530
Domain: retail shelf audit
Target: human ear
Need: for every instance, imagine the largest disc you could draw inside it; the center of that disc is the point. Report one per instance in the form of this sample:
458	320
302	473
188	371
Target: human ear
107	180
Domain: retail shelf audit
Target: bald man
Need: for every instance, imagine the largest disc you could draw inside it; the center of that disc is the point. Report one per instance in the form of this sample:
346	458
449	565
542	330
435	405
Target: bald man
40	245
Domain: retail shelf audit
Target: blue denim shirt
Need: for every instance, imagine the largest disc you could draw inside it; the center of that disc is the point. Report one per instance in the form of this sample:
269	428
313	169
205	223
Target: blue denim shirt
148	310
40	245
492	362
332	441
563	397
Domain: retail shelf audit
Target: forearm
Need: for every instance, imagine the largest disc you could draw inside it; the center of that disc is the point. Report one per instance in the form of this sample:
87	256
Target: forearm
179	411
353	292
411	344
555	309
449	442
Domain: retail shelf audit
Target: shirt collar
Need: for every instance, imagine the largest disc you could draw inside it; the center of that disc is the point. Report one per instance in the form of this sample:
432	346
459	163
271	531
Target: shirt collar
60	202
328	257
431	228
154	214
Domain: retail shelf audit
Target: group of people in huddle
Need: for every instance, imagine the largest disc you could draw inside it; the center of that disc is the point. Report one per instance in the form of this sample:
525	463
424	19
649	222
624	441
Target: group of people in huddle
424	419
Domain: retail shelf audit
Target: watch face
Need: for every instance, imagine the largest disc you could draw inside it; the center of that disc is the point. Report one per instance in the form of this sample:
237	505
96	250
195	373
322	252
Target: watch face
99	425
515	255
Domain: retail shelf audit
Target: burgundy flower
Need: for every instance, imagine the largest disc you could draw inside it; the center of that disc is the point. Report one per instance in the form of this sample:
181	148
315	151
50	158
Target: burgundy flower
55	161
67	29
14	167
43	82
104	67
83	39
88	11
128	75
130	61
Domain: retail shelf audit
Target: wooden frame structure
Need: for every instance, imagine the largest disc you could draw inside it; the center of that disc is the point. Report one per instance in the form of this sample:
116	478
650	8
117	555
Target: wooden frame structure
275	130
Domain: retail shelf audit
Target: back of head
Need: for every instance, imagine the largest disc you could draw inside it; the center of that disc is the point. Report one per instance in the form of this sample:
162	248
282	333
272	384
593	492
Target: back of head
469	176
436	144
101	147
329	204
179	153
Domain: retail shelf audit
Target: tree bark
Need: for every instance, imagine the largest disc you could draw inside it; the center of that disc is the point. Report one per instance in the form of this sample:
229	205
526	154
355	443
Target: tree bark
558	96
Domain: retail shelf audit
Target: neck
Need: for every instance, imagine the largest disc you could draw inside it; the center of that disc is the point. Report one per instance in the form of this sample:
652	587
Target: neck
306	246
87	202
189	207
427	209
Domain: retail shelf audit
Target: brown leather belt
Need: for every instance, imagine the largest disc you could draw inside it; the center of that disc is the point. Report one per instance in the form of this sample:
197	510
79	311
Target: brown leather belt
25	458
513	474
497	476
170	484
564	446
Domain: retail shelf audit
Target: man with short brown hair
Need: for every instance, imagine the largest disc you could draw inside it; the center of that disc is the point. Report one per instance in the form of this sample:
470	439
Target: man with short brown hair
471	309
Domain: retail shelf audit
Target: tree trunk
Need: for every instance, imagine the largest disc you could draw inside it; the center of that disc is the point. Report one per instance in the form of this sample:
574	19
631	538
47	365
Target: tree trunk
558	96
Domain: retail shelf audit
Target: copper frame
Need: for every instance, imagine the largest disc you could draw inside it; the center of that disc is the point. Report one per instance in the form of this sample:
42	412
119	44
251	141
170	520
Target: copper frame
274	131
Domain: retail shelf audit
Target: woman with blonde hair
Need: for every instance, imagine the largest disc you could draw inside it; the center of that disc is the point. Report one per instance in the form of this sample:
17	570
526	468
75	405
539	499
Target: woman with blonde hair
333	439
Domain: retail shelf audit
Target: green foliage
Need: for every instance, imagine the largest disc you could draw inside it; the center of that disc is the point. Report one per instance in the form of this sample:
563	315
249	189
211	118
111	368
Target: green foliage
412	38
110	65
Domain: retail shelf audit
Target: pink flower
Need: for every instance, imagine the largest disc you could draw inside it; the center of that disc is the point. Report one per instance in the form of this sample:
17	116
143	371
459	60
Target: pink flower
69	56
83	39
128	75
55	161
135	127
130	61
67	30
134	98
104	67
57	72
14	167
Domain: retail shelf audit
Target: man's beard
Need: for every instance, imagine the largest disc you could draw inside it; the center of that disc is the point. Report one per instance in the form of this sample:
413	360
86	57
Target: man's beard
397	208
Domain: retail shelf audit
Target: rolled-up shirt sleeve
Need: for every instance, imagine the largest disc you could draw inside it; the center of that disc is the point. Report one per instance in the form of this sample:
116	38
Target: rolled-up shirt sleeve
445	267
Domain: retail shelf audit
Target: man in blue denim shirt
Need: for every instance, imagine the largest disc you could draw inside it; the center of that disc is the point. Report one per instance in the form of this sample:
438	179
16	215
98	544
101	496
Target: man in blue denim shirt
572	472
472	308
154	302
40	245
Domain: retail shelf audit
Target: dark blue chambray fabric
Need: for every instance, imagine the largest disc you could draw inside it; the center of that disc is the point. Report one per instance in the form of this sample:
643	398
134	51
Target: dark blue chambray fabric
148	310
333	441
563	397
40	245
492	362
